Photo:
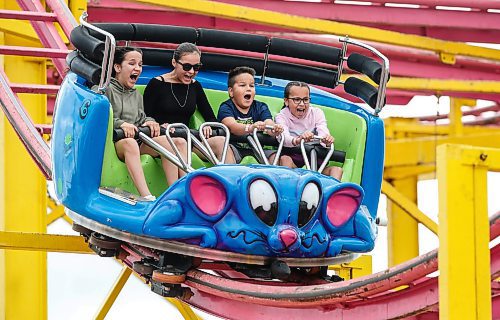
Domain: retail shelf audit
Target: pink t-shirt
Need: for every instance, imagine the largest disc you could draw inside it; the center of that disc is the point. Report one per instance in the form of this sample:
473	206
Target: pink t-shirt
294	127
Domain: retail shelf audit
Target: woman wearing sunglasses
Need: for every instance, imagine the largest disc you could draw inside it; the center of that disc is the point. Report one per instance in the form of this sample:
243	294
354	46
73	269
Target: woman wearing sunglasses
173	97
301	121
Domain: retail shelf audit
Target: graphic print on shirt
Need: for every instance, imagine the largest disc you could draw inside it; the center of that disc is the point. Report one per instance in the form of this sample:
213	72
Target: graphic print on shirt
258	111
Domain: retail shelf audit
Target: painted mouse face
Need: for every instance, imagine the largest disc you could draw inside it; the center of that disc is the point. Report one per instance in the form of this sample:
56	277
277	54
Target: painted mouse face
276	214
263	210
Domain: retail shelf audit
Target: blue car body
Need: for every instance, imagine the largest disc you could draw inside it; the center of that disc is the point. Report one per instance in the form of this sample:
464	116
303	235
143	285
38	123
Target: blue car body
231	222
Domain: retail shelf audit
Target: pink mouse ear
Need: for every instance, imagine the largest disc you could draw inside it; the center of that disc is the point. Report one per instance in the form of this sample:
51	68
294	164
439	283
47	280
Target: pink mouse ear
342	205
208	194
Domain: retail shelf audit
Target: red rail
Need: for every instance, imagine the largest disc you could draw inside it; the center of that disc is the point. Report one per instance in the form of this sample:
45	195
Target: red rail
28	15
34	88
480	116
46	31
378	296
34	52
24	127
64	15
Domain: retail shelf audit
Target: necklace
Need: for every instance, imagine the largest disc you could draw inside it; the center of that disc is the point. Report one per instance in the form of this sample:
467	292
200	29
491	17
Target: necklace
185	100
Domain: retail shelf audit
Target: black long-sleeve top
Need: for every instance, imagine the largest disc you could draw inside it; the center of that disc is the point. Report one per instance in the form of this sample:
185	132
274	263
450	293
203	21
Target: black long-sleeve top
176	102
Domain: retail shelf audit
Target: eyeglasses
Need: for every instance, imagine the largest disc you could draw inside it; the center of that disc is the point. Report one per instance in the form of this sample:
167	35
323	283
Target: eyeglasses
298	100
188	66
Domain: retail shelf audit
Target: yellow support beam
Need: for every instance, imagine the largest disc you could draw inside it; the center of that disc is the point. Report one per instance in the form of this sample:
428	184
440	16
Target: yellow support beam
392	123
422	151
113	294
3	275
67	219
408	206
55	213
311	25
360	267
440	85
184	309
402	228
456	125
402	130
53	216
484	157
394	173
398	128
24	208
436	85
464	256
77	7
10	240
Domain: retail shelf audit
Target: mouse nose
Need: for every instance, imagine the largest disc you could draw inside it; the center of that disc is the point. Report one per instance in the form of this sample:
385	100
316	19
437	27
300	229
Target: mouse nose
288	237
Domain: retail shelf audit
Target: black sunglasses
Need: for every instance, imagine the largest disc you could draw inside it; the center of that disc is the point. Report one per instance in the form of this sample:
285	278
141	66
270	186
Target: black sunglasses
188	66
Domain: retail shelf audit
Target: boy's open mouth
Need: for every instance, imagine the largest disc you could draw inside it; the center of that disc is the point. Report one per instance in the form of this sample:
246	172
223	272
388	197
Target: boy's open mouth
247	96
134	77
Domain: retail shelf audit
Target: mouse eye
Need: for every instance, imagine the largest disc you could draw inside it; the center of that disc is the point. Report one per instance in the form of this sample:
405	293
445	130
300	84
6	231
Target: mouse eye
263	201
308	203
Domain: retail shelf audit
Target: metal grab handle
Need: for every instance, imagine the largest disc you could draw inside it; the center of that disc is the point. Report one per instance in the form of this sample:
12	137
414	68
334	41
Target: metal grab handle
164	152
384	77
327	159
255	142
304	155
207	145
109	53
340	65
186	165
199	145
314	156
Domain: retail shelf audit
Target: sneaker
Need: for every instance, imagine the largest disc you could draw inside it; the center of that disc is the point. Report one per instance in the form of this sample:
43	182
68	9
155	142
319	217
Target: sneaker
149	197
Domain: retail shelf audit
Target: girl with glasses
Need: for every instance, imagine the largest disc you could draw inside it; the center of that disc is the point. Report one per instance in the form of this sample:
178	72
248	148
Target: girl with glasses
301	121
173	97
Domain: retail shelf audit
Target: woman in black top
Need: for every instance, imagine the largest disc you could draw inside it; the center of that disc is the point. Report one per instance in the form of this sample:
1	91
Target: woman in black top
174	96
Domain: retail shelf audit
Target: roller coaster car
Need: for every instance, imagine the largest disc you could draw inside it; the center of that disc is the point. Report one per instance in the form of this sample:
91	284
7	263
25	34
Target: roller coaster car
251	214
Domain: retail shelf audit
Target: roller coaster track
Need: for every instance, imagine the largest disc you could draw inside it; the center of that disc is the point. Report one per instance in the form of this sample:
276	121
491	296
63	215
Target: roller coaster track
403	291
399	292
24	127
486	116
